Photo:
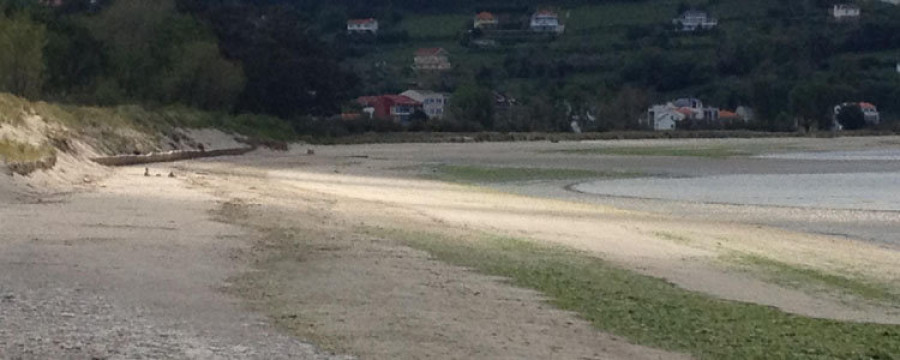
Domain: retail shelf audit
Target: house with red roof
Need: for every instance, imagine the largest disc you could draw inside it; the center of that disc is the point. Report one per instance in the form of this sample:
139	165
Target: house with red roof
398	108
485	20
431	59
873	117
362	26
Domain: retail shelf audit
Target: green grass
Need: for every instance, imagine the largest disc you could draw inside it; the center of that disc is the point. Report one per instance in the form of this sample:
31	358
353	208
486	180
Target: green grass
12	151
706	151
444	26
676	238
807	278
476	174
655	313
620	13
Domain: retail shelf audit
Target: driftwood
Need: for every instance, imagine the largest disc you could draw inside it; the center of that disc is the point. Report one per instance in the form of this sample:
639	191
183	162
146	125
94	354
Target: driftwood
125	160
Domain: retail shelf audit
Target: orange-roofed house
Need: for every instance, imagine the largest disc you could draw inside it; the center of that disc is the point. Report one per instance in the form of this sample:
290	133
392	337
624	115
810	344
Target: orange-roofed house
871	113
485	20
362	26
431	59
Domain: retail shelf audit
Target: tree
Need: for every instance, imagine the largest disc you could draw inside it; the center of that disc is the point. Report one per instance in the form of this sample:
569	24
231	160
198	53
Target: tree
75	59
812	102
22	45
157	54
851	117
289	71
130	30
471	103
200	77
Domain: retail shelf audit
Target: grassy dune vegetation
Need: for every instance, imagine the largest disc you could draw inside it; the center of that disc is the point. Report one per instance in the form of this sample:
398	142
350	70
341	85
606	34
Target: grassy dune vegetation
123	129
652	312
12	151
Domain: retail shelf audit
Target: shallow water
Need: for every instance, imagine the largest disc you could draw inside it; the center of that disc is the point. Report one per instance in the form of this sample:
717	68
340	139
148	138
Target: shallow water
867	155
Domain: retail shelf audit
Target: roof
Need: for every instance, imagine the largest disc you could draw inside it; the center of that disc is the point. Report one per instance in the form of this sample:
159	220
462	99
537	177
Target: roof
361	21
430	51
546	12
685	111
393	99
725	114
401	99
484	15
684	102
866	105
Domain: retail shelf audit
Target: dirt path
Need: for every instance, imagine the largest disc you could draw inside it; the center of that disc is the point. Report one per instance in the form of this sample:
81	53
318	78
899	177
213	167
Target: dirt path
130	270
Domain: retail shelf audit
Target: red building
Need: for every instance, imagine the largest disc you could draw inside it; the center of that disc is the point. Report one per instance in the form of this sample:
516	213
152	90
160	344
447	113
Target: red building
396	107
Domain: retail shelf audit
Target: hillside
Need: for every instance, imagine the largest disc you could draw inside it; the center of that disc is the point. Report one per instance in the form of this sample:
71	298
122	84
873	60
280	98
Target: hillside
294	62
763	54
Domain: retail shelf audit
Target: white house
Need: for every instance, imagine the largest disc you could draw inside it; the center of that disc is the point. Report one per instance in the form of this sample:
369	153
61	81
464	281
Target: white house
546	21
433	103
362	26
846	12
693	20
667	116
431	59
664	117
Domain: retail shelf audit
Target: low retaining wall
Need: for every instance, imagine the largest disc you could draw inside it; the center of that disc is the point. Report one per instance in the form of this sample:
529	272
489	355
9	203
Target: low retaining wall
125	160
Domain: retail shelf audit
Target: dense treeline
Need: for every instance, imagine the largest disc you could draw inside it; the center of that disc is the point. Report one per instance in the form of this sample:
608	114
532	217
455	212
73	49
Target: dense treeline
290	58
225	56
